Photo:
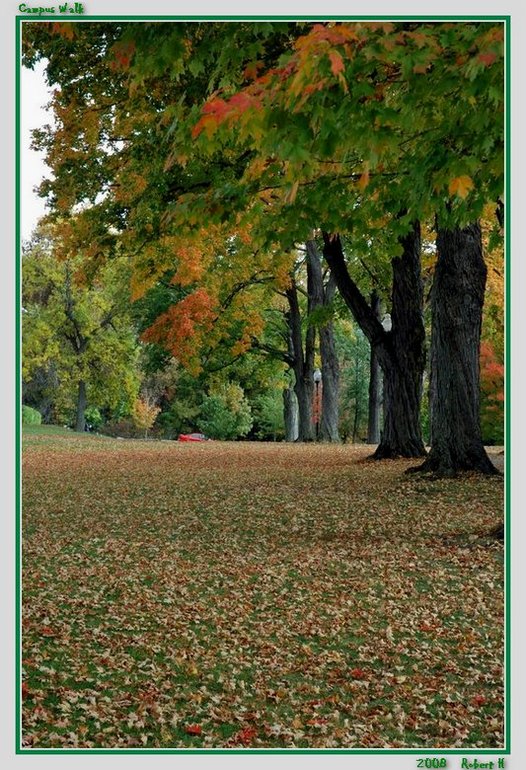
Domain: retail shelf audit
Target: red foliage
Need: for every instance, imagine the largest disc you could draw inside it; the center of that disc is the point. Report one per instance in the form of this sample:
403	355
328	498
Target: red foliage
217	111
337	64
487	58
122	52
182	324
245	736
491	373
358	673
63	29
491	393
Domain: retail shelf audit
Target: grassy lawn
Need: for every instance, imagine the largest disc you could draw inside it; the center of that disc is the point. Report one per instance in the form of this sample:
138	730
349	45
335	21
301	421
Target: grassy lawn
262	595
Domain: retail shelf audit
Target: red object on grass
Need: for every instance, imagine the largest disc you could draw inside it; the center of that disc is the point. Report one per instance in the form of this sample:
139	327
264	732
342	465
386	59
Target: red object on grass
193	437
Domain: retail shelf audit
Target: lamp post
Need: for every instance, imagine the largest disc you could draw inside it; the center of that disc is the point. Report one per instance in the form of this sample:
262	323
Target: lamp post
317	380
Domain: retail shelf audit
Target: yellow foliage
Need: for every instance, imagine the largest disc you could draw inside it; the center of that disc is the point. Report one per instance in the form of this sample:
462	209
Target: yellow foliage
461	185
144	413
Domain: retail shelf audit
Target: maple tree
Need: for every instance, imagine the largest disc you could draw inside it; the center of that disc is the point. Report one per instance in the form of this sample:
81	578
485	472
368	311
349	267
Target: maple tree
402	54
457	300
400	350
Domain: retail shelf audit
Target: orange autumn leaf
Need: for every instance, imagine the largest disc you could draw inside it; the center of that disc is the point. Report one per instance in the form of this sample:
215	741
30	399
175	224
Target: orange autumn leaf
461	185
337	64
64	29
487	58
364	179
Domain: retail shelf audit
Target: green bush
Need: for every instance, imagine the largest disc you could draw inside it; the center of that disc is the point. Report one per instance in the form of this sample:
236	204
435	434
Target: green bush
268	416
30	416
93	417
225	414
179	418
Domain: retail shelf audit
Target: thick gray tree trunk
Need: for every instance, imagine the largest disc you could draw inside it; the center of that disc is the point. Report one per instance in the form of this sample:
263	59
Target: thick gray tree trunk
457	299
321	296
375	385
290	413
82	402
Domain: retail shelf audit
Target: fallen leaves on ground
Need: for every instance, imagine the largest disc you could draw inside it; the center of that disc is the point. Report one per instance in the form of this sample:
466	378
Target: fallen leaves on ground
263	595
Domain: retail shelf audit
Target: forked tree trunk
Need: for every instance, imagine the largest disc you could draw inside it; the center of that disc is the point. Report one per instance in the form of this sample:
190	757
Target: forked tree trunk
375	385
401	351
303	366
82	402
321	296
457	300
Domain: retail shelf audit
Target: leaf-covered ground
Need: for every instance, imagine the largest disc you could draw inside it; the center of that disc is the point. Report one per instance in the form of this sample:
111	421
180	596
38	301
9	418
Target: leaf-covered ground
259	595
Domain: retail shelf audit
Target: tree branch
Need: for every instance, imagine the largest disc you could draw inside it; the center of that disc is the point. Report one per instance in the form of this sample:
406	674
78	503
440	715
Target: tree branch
351	294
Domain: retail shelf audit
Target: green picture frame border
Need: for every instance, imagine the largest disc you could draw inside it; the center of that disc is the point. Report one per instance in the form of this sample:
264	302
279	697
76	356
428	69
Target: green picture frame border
506	20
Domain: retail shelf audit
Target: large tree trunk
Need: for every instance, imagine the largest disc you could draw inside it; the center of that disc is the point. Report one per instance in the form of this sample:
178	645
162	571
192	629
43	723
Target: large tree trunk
457	298
403	357
375	385
322	296
401	351
290	413
82	402
303	366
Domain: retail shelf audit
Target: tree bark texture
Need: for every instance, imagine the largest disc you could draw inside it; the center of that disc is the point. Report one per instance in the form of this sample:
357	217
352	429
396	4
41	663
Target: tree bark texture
375	385
82	402
303	365
400	351
403	357
457	299
290	413
321	296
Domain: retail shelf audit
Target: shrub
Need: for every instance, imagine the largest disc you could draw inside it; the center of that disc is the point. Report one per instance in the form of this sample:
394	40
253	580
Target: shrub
268	416
179	418
93	417
225	414
124	428
30	416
